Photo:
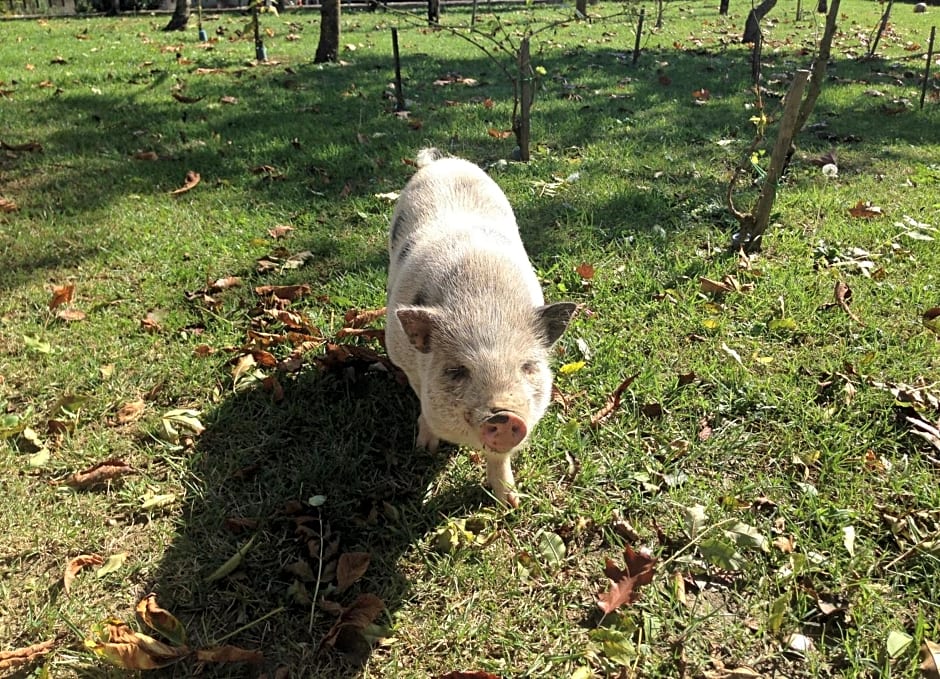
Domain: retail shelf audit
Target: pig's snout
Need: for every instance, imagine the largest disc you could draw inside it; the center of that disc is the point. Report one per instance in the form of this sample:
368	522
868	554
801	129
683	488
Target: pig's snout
503	431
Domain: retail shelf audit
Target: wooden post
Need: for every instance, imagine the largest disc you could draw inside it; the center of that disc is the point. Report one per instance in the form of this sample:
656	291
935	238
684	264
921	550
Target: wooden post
753	227
473	14
434	12
799	10
659	13
639	34
923	87
526	93
723	8
881	29
399	95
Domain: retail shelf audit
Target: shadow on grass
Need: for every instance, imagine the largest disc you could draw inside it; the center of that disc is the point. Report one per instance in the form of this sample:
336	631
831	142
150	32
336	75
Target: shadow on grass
331	139
347	436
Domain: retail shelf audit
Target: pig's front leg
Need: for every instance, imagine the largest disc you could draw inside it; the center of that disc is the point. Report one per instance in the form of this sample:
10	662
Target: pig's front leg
499	477
426	438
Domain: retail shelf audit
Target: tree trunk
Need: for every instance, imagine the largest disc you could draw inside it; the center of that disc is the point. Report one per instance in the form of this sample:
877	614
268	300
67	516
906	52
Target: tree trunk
820	67
580	7
752	25
180	16
434	12
115	8
723	8
328	47
822	6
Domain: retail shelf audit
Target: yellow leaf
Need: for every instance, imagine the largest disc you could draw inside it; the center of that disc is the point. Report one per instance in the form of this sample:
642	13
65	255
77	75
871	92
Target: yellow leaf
570	368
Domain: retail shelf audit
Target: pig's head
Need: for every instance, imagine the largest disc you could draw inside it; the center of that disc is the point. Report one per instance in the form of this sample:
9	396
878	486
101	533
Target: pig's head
485	380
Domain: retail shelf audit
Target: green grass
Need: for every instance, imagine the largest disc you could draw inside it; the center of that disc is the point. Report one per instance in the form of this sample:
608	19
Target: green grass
647	171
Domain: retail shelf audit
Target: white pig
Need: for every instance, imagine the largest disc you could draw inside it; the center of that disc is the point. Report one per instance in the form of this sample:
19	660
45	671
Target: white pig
467	322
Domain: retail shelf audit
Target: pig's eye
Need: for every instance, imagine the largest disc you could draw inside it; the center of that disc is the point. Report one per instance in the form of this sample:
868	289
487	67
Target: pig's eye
457	373
529	368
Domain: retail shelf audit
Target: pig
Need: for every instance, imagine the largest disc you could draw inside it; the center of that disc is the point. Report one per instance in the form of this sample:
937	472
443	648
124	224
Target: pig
466	320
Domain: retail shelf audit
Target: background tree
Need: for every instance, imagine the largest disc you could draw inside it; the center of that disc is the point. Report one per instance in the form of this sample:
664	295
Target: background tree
180	16
328	47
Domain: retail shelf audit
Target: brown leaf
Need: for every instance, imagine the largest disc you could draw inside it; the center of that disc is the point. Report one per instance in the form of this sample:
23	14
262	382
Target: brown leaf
498	134
930	654
843	295
280	231
192	179
7	205
585	270
229	654
70	315
638	571
131	650
356	318
285	292
346	632
25	655
77	564
131	411
151	322
654	411
61	294
273	385
704	429
865	210
477	674
701	95
99	473
203	350
710	287
228	100
784	544
146	155
264	358
161	620
240	524
224	283
350	568
613	402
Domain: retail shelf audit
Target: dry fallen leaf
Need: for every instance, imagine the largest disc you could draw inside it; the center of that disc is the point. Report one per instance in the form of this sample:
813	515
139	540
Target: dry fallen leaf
356	318
865	210
930	654
77	564
280	231
7	205
346	632
498	134
151	322
585	270
70	315
477	674
61	294
121	646
131	411
146	155
24	656
192	179
638	571
285	292
99	473
228	100
613	402
161	620
350	568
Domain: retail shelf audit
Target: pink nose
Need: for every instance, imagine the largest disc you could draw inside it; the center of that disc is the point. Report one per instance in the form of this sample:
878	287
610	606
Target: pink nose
503	431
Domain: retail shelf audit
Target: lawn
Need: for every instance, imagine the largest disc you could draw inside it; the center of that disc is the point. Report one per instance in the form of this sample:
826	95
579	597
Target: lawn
194	396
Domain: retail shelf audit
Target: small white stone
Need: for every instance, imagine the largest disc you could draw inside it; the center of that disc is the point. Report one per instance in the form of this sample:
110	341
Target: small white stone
830	170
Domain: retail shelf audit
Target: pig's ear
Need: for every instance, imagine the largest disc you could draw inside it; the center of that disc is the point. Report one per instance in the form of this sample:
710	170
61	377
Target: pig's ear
419	324
552	320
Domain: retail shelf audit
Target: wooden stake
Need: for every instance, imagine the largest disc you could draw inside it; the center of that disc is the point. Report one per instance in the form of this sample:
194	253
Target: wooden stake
639	34
526	92
881	29
399	95
923	87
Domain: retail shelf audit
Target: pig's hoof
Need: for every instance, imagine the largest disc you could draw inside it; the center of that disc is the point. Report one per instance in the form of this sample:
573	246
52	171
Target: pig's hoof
512	500
426	440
